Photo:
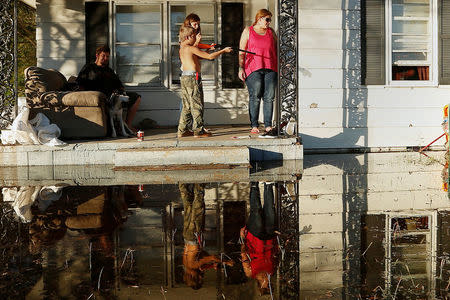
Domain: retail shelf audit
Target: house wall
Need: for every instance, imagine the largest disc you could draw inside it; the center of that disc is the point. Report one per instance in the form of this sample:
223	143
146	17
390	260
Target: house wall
61	45
60	35
336	111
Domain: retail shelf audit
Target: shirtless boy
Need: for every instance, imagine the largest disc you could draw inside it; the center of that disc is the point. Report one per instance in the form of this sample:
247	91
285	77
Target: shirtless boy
191	84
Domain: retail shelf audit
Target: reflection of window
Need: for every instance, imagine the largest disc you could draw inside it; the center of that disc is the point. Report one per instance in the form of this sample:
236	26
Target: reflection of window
410	256
208	29
411	39
399	255
138	44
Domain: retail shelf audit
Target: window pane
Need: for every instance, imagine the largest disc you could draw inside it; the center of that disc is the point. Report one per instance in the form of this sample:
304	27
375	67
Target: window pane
139	75
138	44
143	55
176	64
177	15
411	39
138	24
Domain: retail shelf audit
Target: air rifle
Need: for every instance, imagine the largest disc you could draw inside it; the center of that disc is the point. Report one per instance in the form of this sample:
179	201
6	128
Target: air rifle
209	46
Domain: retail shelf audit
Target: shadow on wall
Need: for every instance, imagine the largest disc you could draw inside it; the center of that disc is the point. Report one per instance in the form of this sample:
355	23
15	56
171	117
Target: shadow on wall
354	100
354	205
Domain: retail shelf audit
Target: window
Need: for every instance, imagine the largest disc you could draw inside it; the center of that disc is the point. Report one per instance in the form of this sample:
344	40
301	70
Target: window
411	39
400	42
208	29
144	39
138	44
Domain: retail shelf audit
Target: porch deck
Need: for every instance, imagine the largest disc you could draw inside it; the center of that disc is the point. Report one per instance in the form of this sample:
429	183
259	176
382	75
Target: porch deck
161	149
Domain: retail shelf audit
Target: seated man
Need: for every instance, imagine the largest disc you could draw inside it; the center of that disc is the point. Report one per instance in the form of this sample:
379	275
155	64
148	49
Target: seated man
99	77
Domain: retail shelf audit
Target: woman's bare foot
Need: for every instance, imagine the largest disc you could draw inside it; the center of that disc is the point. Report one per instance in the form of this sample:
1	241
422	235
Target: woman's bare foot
254	130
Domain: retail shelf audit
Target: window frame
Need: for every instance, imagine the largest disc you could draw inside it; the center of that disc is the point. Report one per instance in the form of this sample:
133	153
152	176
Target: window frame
431	243
165	41
433	69
216	83
113	26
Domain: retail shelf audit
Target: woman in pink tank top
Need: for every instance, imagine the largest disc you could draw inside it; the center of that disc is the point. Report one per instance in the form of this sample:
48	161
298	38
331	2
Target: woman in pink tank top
259	70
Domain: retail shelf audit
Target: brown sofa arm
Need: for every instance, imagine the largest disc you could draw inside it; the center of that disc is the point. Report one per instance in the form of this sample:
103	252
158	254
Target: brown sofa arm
76	99
84	98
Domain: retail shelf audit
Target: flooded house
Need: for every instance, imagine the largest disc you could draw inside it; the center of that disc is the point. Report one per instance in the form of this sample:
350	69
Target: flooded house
370	73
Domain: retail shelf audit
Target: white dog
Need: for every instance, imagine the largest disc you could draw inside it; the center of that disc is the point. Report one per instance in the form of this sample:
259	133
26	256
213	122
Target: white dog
115	112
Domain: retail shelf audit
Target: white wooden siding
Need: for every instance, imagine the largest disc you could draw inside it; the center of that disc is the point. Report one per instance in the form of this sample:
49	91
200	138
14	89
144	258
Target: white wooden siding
60	35
335	110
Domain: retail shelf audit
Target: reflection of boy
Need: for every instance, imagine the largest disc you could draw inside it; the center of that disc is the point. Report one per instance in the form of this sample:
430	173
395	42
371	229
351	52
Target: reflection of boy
259	250
195	260
191	84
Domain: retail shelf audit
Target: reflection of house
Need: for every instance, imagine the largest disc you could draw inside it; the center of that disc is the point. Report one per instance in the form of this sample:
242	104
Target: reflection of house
372	73
370	220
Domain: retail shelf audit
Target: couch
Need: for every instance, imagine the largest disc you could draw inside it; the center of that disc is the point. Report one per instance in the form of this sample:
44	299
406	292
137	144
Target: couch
79	114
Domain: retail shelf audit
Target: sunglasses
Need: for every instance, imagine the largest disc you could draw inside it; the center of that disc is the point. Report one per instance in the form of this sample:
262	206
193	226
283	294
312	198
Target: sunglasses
268	20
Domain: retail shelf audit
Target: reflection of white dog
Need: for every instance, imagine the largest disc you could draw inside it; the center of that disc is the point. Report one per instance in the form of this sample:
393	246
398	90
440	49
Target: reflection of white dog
115	112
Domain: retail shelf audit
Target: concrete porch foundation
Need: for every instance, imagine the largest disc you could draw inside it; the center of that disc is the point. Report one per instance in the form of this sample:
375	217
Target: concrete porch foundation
228	146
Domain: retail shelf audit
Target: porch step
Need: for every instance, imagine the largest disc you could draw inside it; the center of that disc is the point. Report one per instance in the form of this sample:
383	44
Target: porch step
185	156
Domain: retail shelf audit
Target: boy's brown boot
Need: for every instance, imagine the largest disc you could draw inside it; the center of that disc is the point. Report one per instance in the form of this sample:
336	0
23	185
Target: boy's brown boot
202	134
184	134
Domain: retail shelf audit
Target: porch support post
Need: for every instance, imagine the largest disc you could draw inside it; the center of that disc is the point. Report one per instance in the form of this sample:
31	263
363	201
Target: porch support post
8	61
289	240
287	62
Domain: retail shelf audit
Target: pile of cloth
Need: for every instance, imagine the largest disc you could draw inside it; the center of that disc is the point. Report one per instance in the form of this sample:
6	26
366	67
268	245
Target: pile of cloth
37	131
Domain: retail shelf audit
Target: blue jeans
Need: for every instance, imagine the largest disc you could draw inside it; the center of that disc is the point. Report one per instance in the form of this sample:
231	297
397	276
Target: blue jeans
261	84
261	221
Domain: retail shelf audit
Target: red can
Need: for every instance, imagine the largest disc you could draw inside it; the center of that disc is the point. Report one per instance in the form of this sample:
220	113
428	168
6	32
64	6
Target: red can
141	188
140	135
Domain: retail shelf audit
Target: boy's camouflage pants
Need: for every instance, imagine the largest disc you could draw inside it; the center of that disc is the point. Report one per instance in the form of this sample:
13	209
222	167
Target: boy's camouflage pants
192	98
193	197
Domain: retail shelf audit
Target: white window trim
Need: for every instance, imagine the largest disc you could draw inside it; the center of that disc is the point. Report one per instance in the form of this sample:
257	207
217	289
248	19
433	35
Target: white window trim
168	51
113	30
432	227
165	38
434	70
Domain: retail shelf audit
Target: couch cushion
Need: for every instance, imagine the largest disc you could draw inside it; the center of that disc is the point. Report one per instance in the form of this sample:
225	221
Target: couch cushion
61	99
84	98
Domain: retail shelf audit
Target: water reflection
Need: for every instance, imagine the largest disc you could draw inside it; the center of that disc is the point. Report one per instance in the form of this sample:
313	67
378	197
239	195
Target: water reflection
259	249
374	227
356	226
196	261
111	242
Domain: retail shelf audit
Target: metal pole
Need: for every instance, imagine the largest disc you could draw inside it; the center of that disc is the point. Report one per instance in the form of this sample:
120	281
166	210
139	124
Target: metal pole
278	99
288	61
15	61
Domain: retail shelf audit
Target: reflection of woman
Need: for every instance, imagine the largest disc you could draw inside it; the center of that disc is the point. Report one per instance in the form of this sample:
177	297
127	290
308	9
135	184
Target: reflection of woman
259	71
195	260
259	248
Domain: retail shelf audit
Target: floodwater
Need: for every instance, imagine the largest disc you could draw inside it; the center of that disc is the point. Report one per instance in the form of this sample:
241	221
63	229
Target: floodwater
354	226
